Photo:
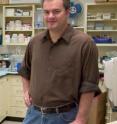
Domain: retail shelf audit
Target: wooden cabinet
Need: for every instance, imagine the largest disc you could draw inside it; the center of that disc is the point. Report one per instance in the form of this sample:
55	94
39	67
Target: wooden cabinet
102	25
16	105
3	98
11	97
102	20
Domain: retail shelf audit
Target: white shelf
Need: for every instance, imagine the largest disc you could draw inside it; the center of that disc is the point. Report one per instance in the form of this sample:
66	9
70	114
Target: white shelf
79	27
22	5
101	30
18	30
102	4
18	16
41	28
101	20
107	45
15	44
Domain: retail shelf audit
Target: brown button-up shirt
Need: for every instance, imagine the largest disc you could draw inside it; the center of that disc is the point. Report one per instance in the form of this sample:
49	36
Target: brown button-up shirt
59	72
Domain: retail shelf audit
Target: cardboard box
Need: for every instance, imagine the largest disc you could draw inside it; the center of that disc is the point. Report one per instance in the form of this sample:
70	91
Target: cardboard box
4	1
98	109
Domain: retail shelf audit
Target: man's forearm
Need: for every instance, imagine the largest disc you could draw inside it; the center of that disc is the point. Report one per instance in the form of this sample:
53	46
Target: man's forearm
84	107
25	84
27	97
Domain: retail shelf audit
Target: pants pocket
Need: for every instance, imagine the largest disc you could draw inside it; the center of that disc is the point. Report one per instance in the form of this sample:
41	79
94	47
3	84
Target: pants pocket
69	116
32	117
29	110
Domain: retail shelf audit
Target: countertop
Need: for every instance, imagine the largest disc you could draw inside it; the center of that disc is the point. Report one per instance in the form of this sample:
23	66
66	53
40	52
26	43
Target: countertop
4	72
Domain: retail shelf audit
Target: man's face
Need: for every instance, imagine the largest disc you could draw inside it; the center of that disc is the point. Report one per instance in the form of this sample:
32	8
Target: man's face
55	15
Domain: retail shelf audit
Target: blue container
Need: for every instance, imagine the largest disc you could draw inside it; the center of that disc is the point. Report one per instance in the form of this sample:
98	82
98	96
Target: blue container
102	39
18	66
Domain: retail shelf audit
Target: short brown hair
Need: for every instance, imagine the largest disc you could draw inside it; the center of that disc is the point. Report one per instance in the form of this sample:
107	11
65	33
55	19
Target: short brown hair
66	4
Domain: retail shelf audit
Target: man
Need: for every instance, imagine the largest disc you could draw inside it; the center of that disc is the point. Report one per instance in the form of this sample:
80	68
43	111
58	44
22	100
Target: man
59	71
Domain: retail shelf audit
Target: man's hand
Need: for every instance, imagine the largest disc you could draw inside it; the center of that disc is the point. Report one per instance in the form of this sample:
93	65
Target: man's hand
27	99
78	122
84	108
74	122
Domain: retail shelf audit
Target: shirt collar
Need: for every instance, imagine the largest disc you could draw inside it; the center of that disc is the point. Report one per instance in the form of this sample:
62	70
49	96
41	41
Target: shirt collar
67	34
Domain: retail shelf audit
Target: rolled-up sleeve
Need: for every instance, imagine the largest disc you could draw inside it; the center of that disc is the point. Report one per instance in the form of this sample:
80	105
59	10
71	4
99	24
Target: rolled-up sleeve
90	72
25	69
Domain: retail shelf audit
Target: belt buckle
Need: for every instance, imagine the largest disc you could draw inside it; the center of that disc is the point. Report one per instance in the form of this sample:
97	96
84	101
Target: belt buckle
43	110
57	110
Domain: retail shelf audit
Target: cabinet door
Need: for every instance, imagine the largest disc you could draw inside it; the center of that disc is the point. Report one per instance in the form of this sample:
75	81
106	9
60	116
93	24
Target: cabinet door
17	112
3	98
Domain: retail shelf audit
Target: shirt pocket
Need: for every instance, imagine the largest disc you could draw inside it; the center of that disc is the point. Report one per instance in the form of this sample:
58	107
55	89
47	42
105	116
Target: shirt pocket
64	68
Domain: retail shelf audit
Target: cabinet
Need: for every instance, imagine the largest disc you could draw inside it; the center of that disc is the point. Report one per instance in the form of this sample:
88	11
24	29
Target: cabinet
102	25
3	98
11	97
23	21
16	105
18	24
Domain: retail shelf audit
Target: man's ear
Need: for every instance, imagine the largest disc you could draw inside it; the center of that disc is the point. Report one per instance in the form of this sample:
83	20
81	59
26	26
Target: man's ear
68	12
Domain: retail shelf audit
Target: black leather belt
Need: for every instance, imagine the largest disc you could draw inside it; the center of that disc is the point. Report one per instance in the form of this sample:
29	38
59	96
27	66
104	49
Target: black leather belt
59	109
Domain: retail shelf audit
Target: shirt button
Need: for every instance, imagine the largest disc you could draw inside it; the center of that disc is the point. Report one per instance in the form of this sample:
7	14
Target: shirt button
49	69
50	57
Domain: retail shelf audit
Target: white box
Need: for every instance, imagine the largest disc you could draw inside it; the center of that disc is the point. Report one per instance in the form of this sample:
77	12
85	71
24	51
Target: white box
99	26
106	15
10	12
108	28
99	16
26	13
